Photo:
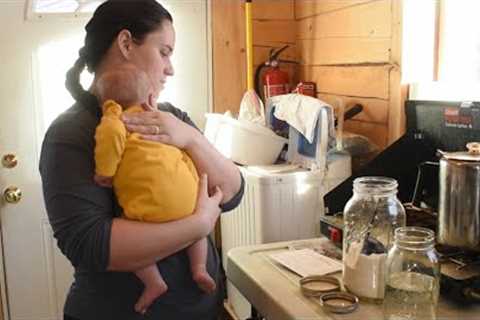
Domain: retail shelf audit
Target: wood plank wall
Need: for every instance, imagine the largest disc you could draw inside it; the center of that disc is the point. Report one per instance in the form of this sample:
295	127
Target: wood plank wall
351	49
273	27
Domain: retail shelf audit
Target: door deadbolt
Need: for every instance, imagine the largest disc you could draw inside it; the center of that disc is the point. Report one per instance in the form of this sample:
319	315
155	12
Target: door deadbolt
12	195
9	160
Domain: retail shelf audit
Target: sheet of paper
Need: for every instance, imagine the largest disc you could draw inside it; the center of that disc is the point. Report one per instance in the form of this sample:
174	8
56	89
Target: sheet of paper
307	262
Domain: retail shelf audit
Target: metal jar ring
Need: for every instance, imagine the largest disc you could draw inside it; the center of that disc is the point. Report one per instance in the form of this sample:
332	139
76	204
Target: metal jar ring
316	292
349	302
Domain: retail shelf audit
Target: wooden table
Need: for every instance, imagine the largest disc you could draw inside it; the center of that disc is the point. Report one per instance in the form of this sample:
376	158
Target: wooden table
275	293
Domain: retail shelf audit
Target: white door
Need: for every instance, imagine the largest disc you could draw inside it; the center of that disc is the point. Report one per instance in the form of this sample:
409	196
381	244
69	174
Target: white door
36	275
34	56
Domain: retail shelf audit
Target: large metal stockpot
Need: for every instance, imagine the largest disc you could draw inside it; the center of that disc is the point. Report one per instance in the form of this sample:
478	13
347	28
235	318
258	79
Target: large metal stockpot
459	201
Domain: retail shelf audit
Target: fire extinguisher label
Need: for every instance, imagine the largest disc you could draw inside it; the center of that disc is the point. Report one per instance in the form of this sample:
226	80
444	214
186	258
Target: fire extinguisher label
275	90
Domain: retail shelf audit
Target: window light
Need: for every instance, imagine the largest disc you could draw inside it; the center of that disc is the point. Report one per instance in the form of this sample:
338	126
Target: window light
42	8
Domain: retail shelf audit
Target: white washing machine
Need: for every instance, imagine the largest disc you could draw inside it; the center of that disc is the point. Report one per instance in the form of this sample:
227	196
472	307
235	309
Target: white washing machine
281	202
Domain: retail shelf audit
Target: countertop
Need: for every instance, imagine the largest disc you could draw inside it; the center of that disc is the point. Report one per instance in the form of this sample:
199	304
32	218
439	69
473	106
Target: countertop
275	293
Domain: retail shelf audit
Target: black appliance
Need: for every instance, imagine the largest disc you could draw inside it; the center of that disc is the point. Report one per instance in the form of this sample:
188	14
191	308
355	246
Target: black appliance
431	125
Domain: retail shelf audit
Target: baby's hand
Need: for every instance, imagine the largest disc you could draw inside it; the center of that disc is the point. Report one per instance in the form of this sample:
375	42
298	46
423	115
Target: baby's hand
103	181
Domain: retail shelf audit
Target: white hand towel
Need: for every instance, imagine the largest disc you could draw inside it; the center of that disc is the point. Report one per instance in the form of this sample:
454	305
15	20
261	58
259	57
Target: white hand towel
299	111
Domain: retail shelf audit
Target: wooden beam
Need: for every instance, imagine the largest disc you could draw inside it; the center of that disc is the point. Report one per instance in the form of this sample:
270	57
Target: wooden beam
229	59
396	121
396	39
396	112
371	20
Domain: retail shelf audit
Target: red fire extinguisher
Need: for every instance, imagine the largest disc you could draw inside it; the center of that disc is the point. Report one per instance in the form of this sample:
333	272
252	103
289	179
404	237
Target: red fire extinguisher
275	81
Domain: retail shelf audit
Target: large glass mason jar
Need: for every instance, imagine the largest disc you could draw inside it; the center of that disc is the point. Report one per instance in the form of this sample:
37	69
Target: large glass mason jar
370	218
412	276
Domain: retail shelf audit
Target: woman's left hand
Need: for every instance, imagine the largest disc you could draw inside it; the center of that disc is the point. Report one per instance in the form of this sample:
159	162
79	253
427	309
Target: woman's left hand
162	127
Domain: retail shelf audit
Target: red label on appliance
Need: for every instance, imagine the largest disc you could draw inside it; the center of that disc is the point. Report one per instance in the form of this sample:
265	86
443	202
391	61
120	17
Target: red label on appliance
307	88
453	118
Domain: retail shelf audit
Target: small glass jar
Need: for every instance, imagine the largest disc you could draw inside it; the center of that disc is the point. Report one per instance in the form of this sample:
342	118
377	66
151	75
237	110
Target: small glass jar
370	218
412	276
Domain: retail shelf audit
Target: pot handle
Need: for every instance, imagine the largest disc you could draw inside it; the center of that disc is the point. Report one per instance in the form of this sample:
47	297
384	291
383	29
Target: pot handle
472	294
473	148
421	183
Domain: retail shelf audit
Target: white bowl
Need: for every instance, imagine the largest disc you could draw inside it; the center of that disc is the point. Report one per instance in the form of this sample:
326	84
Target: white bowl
242	141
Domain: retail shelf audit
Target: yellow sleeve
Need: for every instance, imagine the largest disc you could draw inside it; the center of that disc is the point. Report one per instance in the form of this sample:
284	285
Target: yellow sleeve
110	138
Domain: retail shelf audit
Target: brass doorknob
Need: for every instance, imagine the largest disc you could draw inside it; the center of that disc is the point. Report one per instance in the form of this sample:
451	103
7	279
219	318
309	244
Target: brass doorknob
9	160
12	195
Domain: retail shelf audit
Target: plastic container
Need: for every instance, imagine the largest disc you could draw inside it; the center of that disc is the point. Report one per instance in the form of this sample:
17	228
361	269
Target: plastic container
244	142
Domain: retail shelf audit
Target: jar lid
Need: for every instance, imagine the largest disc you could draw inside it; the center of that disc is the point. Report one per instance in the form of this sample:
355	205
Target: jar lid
316	285
472	155
339	302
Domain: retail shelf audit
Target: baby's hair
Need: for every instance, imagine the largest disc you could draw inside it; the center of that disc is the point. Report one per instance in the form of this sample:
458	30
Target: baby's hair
127	85
140	17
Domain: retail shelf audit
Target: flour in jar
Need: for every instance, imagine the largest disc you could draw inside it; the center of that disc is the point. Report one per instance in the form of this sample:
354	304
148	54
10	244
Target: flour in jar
366	277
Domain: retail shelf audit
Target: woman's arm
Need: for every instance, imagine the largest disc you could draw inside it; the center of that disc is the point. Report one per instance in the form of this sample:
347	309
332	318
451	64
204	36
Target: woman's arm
134	245
171	130
82	214
221	171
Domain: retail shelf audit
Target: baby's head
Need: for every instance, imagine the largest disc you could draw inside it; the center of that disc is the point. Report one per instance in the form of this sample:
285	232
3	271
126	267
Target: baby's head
126	85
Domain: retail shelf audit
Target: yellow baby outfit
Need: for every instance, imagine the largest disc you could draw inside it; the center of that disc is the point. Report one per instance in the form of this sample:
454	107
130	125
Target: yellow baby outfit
153	182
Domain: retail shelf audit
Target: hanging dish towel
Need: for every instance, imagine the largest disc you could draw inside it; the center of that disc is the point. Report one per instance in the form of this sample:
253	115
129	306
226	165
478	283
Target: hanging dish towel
299	111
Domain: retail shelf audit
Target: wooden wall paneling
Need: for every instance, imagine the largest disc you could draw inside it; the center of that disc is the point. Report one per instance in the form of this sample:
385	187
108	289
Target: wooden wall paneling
377	133
359	81
274	30
273	10
396	113
374	110
396	122
372	19
352	50
229	57
308	8
261	51
396	38
330	51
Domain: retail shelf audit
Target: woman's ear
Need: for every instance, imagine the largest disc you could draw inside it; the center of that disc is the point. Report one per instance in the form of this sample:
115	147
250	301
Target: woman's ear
125	42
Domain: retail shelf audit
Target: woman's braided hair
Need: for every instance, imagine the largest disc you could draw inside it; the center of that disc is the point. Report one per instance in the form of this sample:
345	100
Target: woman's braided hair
140	17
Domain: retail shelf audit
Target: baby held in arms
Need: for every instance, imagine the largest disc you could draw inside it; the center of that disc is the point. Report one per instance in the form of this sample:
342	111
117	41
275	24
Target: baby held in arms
153	182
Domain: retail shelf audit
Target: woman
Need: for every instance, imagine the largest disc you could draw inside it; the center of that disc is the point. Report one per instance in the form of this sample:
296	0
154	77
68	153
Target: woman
86	220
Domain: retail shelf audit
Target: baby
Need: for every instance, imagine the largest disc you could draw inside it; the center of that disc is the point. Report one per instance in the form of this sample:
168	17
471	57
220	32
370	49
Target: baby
153	182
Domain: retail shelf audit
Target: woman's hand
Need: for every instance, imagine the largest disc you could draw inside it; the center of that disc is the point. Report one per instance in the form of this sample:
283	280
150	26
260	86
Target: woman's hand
162	127
103	181
208	206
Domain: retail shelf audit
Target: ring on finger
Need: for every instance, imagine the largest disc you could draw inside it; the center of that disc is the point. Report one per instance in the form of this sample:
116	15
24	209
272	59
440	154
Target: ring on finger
156	130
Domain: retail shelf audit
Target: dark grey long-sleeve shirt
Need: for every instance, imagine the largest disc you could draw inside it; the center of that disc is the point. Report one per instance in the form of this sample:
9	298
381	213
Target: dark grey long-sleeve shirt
81	215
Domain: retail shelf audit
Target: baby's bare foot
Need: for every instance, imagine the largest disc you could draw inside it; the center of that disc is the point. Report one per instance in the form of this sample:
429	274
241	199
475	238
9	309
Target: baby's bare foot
204	281
149	294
